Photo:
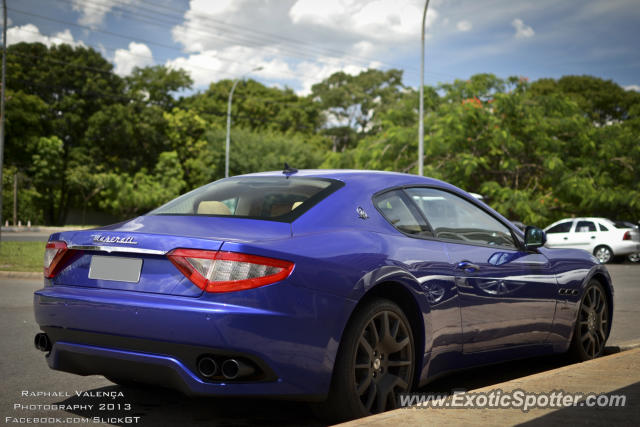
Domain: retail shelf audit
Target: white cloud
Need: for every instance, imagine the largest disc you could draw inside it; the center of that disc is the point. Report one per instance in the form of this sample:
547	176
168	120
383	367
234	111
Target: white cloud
376	20
137	55
92	14
314	72
29	33
212	65
464	26
523	31
632	87
298	42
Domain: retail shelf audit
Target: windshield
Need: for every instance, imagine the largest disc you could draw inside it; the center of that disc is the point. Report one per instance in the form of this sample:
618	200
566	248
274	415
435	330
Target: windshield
624	224
271	198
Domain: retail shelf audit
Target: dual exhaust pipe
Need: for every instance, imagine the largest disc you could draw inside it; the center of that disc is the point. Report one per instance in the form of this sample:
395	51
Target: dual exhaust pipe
230	369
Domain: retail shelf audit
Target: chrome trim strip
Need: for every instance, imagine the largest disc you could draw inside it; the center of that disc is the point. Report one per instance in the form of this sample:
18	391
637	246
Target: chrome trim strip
118	249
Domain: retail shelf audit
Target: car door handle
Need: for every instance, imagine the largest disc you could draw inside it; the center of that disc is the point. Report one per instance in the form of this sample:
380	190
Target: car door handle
593	237
565	238
467	266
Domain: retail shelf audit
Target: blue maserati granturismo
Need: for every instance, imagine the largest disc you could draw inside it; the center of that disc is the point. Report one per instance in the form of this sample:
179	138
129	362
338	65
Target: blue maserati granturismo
334	286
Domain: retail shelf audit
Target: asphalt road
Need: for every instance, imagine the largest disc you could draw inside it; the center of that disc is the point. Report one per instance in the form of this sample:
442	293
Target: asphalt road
23	370
26	236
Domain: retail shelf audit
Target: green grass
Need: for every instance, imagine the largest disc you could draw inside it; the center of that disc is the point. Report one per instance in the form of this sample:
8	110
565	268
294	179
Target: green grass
22	256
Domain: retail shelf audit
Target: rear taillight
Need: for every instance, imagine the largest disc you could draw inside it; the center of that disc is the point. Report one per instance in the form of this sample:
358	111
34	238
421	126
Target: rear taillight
627	236
215	271
54	255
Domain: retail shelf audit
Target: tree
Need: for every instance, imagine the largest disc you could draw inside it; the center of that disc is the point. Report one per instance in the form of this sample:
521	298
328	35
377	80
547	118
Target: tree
256	107
603	101
74	83
535	156
262	151
353	102
156	85
26	121
185	133
125	195
47	174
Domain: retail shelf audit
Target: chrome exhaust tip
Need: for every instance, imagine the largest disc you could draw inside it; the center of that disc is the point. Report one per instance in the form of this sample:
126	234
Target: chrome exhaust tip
207	367
42	342
233	369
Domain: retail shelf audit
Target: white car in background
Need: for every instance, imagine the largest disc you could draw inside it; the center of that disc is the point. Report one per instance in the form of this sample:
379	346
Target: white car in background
598	236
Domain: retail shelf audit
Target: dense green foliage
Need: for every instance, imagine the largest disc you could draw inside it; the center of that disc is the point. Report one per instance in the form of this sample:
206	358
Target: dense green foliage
81	138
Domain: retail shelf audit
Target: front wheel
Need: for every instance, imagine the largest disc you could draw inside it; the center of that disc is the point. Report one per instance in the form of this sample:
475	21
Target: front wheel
603	253
375	362
592	325
634	257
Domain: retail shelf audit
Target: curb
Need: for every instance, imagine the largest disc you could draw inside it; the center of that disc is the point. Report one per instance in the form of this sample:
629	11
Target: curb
625	346
20	275
573	378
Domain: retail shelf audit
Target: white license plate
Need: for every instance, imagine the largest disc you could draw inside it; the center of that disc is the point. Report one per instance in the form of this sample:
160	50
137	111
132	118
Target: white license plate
119	269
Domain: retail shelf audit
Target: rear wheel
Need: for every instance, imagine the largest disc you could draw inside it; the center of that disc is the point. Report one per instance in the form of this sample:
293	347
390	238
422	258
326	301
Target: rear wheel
592	325
603	253
375	362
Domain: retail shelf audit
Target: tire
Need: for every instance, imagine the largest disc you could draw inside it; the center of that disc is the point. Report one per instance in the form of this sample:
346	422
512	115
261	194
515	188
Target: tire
634	257
375	362
603	253
592	326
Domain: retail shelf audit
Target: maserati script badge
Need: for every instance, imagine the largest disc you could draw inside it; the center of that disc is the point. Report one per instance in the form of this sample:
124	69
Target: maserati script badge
113	239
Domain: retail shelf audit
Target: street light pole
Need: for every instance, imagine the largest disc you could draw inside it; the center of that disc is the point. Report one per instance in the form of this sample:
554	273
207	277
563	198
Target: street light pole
421	126
228	143
4	68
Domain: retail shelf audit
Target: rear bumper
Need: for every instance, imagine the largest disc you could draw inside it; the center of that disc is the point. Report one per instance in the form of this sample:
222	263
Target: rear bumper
627	247
157	339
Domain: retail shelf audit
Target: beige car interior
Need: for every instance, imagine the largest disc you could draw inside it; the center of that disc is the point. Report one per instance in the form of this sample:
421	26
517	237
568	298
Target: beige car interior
243	208
213	208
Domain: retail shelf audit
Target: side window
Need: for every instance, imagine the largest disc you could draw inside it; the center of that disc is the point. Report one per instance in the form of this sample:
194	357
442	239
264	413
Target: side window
602	227
585	227
453	218
393	207
563	227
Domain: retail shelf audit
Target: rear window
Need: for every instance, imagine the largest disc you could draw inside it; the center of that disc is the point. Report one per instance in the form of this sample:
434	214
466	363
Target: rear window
272	198
624	224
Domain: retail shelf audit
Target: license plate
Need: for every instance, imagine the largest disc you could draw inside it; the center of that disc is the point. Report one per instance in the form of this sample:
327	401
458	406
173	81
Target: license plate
119	269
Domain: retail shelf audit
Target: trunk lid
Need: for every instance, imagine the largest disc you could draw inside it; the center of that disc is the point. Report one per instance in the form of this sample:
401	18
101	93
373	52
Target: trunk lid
132	255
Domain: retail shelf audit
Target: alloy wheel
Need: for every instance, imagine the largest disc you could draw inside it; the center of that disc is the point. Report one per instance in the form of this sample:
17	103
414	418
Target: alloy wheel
603	254
383	361
593	322
634	257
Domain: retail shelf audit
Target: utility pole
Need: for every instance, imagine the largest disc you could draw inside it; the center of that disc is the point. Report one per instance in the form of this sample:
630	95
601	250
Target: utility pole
15	199
421	126
4	68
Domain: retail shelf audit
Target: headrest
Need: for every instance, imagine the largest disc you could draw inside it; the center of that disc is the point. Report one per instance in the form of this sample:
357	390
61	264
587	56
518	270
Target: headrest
213	208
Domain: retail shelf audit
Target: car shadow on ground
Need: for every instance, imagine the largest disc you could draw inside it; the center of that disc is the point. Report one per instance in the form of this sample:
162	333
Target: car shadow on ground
596	416
162	407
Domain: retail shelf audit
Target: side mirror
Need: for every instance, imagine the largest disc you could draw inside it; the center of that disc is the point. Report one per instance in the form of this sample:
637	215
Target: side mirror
534	237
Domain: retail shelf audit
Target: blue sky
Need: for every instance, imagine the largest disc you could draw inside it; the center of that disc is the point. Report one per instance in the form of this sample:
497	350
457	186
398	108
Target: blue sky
300	42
